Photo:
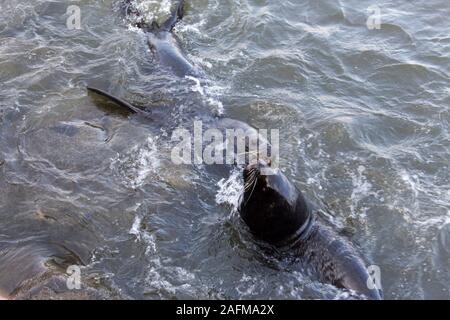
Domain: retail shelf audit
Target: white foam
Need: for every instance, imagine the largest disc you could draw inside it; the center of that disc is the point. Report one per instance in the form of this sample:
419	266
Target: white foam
218	104
230	190
321	30
193	28
135	228
210	93
152	10
361	189
412	181
247	286
197	87
140	162
143	236
440	221
162	278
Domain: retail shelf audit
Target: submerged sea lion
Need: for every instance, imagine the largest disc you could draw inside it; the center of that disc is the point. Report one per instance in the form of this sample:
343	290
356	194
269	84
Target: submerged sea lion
276	212
34	269
162	41
253	139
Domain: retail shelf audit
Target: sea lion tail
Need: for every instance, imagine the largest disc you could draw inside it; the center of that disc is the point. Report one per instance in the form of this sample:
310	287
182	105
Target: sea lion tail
176	16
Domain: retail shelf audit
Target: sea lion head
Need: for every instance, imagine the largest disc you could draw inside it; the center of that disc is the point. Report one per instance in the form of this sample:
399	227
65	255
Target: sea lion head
271	206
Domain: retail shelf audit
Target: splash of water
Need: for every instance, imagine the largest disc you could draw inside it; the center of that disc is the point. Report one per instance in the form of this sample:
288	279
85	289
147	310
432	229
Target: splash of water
135	166
210	93
361	189
230	190
150	10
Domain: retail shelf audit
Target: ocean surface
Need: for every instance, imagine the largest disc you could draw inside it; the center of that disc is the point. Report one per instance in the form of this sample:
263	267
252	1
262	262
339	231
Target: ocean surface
363	112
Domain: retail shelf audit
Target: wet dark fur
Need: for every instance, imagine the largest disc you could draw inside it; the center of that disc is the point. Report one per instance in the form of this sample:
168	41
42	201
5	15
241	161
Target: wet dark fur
276	212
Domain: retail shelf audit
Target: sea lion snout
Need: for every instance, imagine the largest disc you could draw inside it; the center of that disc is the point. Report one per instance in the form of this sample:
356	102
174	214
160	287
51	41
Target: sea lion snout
271	206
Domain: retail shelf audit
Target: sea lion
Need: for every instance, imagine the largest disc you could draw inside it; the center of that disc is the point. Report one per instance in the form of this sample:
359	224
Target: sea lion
277	212
251	138
29	269
274	210
162	41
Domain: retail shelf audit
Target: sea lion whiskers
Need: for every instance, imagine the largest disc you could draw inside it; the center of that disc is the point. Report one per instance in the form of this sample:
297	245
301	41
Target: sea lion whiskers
251	178
251	181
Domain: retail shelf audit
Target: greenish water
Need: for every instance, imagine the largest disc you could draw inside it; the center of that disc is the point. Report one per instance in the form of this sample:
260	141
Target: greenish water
364	132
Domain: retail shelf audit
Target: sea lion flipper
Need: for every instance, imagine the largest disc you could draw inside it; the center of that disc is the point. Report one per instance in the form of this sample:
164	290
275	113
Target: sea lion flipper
116	100
176	16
